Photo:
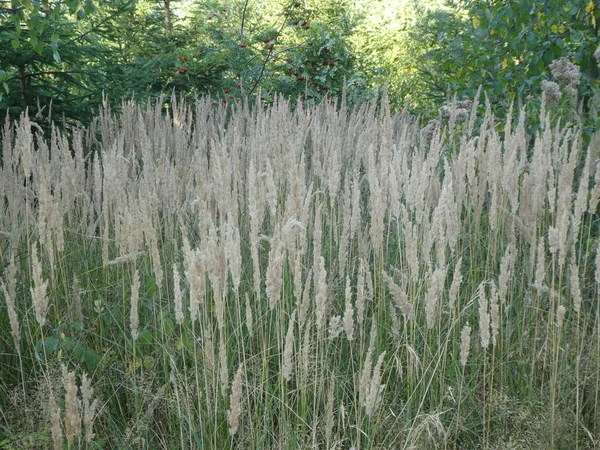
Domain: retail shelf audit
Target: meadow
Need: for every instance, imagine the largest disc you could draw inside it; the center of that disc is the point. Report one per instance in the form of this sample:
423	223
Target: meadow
326	277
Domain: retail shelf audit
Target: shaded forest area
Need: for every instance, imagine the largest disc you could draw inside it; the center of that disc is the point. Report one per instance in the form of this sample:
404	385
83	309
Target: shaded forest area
58	59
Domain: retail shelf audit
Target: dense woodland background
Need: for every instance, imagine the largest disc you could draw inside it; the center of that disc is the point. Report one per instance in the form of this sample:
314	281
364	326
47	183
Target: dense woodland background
60	58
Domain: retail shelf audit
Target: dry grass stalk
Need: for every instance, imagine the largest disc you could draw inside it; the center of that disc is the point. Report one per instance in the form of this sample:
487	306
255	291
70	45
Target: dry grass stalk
235	401
465	344
72	416
134	317
12	316
39	291
288	350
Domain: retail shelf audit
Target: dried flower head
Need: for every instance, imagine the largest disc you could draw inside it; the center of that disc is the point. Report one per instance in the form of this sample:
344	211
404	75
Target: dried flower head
597	56
551	92
565	72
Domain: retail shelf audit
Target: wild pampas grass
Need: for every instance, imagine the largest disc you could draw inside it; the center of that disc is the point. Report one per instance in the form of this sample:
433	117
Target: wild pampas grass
327	271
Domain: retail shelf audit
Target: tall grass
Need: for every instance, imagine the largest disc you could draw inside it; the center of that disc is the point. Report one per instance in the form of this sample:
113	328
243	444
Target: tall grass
320	278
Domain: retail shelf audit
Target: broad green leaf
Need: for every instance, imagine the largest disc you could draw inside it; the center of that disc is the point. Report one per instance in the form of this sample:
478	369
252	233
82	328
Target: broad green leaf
15	44
46	347
55	37
476	22
56	56
91	359
39	48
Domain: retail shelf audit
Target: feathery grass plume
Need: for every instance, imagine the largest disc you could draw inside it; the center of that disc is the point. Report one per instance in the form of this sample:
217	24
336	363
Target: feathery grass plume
364	382
89	407
560	316
465	344
581	200
436	284
232	252
377	203
455	286
39	292
297	277
551	92
24	143
177	295
274	275
235	401
195	273
540	269
288	350
216	273
411	238
321	304
484	317
336	327
375	390
12	316
57	433
355	219
594	197
360	293
506	267
72	416
134	318
305	303
223	368
249	319
305	350
399	296
575	286
494	313
348	311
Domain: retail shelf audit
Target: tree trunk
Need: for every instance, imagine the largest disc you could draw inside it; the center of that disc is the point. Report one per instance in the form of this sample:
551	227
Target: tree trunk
168	23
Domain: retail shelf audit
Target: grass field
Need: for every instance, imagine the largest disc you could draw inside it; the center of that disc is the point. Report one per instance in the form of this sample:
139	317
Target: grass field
242	277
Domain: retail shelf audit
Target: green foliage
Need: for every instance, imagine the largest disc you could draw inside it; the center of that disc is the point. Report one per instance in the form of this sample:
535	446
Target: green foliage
506	47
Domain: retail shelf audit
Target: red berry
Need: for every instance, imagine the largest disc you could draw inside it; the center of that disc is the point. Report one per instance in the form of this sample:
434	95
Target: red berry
232	96
295	22
266	41
304	23
182	71
225	91
182	58
270	47
239	85
243	45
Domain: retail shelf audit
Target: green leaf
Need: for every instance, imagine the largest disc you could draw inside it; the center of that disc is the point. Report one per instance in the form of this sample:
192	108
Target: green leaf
46	347
56	56
15	44
39	48
91	359
66	344
55	37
